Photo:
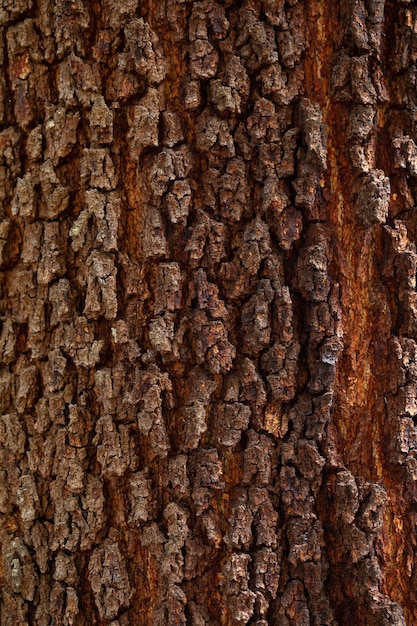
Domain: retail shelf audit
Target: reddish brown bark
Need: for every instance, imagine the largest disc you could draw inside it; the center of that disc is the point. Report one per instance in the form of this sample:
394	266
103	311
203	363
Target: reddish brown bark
208	341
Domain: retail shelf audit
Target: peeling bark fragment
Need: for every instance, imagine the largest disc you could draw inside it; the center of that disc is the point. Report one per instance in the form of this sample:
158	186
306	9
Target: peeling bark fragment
162	172
203	56
229	421
27	498
305	539
256	323
69	26
211	344
150	418
351	81
267	571
177	531
19	568
140	495
257	459
207	474
178	474
197	394
101	296
256	41
81	344
78	82
231	90
60	131
372	198
405	154
109	579
24	201
97	169
117	14
153	239
11	9
27	74
9	161
179	201
26	386
283	87
296	495
115	452
144	50
55	196
234	196
207	295
192	95
311	121
171	127
144	125
168	289
240	600
265	525
239	533
101	122
213	137
294	605
105	209
161	334
312	267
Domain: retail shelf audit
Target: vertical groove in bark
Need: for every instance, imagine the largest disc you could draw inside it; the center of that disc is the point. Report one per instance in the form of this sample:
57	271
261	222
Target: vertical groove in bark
366	373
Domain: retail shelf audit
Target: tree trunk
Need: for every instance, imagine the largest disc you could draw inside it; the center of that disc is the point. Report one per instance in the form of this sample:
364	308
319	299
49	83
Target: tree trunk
208	340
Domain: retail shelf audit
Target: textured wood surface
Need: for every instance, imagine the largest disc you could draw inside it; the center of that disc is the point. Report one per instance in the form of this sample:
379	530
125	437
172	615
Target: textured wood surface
208	341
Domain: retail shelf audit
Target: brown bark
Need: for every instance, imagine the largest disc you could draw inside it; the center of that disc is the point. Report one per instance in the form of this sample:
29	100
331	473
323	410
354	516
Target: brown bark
208	312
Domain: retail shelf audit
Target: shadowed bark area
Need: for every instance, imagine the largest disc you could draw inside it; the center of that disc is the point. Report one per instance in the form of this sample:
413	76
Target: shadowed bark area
208	305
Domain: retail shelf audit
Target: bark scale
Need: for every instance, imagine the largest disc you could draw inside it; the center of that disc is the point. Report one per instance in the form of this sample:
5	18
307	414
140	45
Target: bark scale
208	306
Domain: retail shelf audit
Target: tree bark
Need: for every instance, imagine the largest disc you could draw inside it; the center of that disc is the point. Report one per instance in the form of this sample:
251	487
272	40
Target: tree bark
208	341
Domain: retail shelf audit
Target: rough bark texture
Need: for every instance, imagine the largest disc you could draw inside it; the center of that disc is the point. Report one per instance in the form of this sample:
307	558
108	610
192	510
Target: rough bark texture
208	342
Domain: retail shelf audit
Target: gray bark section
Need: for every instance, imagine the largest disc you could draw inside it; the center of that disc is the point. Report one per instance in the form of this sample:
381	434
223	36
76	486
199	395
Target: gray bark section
172	311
